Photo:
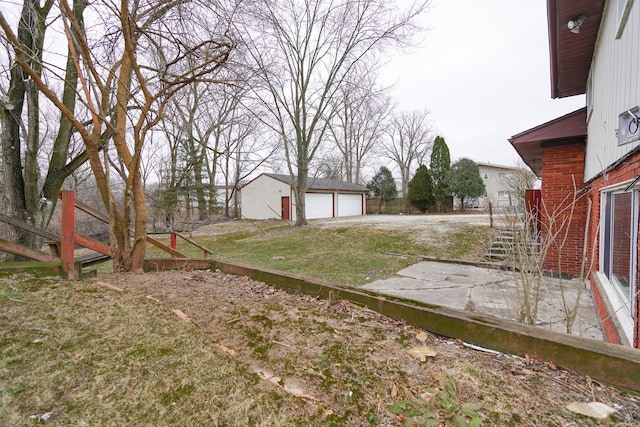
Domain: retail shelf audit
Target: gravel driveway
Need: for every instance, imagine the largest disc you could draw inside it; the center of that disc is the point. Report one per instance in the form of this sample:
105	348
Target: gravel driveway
404	221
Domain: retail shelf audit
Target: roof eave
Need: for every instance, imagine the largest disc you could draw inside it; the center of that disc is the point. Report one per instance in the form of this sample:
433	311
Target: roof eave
571	53
569	128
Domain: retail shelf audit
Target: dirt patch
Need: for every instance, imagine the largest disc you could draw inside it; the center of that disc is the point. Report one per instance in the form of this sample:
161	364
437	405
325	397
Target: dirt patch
351	366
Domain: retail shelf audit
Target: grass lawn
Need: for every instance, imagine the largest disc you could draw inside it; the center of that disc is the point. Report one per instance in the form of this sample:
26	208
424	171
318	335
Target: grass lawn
91	357
77	353
349	255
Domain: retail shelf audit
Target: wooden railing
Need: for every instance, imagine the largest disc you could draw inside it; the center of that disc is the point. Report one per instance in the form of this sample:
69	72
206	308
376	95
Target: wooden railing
63	246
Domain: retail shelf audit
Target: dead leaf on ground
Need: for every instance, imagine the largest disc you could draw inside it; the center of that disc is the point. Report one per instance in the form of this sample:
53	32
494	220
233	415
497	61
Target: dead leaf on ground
181	315
422	336
226	349
596	410
421	352
109	286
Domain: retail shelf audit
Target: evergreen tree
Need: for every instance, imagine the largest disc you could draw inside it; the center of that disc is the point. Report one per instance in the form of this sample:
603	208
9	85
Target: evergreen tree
465	181
439	169
421	189
383	186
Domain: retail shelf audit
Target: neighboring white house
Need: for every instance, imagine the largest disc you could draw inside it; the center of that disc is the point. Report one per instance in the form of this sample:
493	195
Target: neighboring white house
270	196
591	157
496	182
497	190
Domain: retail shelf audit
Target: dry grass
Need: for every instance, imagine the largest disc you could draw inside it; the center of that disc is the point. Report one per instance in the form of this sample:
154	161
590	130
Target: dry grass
91	355
94	357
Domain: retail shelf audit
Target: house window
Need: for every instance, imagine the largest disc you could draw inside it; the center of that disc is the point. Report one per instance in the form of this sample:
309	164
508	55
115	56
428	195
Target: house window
503	175
485	176
620	254
623	9
502	194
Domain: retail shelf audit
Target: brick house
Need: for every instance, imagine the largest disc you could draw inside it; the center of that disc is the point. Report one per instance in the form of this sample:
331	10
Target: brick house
589	160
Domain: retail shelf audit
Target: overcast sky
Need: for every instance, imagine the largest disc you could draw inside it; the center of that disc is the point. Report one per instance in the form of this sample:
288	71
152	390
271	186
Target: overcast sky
483	72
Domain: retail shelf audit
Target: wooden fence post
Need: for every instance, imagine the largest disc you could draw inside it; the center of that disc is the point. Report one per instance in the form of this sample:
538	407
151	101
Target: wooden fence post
67	237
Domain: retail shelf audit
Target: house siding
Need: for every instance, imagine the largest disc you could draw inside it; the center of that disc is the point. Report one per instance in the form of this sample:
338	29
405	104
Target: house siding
262	198
494	186
614	88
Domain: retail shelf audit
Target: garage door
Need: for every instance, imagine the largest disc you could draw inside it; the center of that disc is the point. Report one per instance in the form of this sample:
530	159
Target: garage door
319	205
349	204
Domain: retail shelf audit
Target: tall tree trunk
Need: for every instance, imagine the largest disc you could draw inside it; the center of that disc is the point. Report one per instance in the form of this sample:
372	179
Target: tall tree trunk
300	191
139	249
226	184
197	161
20	197
13	201
59	170
32	147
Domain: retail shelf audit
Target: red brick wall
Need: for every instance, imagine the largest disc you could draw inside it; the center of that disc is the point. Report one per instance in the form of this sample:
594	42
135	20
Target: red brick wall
606	322
564	215
627	170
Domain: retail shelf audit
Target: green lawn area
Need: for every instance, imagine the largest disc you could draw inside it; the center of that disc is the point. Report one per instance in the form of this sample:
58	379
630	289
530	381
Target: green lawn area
350	255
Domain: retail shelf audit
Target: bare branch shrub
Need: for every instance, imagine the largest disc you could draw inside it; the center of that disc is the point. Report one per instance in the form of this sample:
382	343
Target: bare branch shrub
535	240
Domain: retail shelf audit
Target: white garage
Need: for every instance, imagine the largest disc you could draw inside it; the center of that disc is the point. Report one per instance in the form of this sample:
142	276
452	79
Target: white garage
319	205
350	204
270	196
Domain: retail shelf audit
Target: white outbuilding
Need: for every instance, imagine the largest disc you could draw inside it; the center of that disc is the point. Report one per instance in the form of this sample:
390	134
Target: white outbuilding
270	196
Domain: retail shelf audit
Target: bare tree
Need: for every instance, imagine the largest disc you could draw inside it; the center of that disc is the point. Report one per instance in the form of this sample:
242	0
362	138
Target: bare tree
125	90
243	146
20	139
192	127
409	141
517	182
332	166
304	51
361	113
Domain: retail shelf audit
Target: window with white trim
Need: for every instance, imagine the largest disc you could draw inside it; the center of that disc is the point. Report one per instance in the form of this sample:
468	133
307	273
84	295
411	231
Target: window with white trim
620	252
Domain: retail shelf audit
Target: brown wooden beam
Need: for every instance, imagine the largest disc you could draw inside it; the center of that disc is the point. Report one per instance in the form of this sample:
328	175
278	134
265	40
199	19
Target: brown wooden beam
609	363
91	211
194	243
28	227
162	264
23	251
174	253
48	268
92	244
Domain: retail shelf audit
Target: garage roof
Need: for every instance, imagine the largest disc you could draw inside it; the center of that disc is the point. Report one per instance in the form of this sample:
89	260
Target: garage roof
319	184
